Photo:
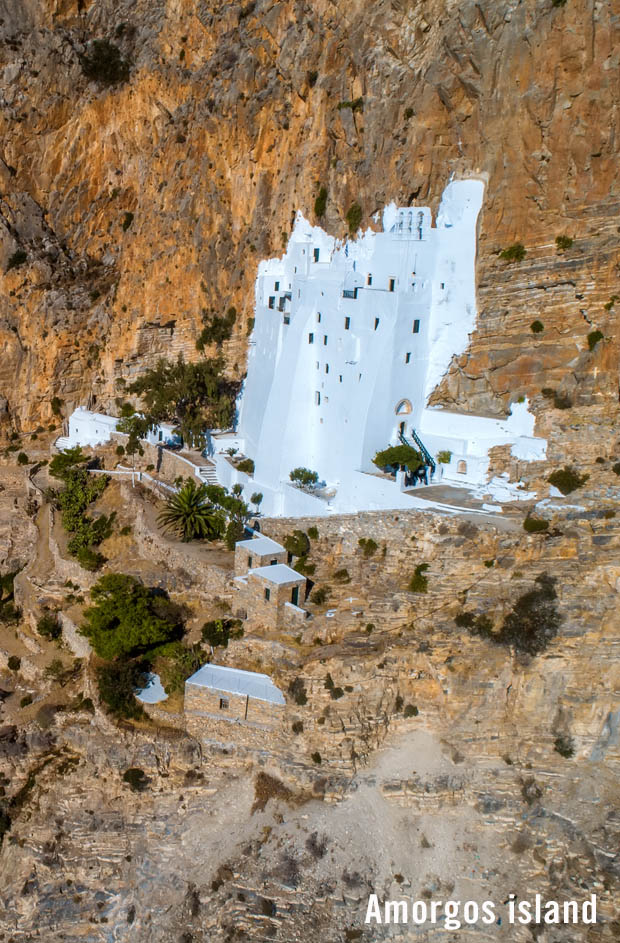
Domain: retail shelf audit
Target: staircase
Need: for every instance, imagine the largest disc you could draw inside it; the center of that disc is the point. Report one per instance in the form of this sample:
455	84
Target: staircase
428	458
207	474
62	442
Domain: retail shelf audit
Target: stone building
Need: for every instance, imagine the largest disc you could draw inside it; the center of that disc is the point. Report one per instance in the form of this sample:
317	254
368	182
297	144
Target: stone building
269	592
259	551
216	694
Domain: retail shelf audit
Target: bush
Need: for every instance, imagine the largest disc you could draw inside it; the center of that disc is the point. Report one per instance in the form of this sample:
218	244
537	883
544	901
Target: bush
563	242
537	327
444	457
104	63
316	758
14	663
357	104
419	582
90	559
368	545
297	543
593	338
117	682
354	218
304	477
48	626
297	690
342	575
217	329
16	259
411	711
246	465
127	617
136	778
120	450
514	253
311	77
409	113
398	456
25	700
220	631
535	525
567	480
534	620
319	596
616	468
235	531
609	304
22	459
313	533
564	745
297	727
320	204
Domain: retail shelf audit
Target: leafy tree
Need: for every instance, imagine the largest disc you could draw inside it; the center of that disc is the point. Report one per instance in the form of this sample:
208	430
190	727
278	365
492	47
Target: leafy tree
304	477
234	532
567	479
104	63
117	682
514	253
65	461
127	618
354	213
398	455
48	626
191	515
419	582
246	465
257	499
136	427
593	338
297	543
219	631
320	204
175	663
534	620
217	329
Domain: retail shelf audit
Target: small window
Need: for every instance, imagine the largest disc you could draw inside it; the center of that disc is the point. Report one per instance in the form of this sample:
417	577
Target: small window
407	358
267	593
340	378
326	368
376	323
249	563
416	326
276	286
318	317
311	338
224	703
347	323
392	284
317	398
161	435
272	301
317	252
369	279
325	340
272	562
287	319
443	285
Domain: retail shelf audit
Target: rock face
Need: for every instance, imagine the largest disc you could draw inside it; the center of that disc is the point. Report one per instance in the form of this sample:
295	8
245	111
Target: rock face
141	205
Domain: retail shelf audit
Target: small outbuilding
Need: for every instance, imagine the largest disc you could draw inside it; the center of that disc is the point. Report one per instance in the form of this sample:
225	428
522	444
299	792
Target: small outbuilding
257	552
218	693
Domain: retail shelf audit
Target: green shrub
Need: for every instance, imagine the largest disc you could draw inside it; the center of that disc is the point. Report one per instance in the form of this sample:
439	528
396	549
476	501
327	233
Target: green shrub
609	304
56	405
564	745
419	582
297	690
514	253
304	477
235	531
90	559
136	778
535	525
25	700
246	465
616	468
537	327
444	457
593	338
398	455
368	545
563	242
22	459
558	3
217	329
14	663
411	711
117	682
534	620
567	480
316	758
320	204
16	259
311	77
220	631
304	567
48	626
127	618
104	63
313	533
320	595
342	575
357	104
297	543
409	113
354	218
297	727
120	450
127	221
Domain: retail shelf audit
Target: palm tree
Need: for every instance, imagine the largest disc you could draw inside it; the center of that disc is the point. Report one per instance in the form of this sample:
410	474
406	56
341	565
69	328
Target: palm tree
190	514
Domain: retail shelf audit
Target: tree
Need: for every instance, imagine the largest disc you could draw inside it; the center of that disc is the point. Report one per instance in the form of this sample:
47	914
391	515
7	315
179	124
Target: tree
219	631
304	477
257	500
66	460
136	427
534	620
127	618
117	683
104	63
191	515
48	626
400	456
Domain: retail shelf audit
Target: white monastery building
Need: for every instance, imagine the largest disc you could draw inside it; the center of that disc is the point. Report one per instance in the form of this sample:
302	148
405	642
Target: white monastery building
348	344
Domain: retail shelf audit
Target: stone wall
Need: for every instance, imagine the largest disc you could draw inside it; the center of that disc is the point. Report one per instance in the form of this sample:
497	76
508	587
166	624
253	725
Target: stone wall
272	613
79	645
243	556
205	703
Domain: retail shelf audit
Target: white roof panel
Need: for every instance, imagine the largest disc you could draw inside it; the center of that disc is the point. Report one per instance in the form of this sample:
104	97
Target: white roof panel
236	681
277	573
261	545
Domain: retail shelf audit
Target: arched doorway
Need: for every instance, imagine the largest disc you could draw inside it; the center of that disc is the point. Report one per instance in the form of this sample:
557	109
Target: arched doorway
403	408
461	468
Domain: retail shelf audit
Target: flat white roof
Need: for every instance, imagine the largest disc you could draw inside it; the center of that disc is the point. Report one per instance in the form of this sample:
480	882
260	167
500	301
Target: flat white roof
277	573
236	681
81	413
260	545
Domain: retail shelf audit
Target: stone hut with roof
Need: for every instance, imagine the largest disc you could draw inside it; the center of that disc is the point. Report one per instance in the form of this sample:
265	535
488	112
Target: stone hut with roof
270	593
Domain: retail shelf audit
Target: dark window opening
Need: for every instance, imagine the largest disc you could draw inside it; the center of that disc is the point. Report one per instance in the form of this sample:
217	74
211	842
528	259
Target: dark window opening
249	563
287	319
318	317
347	323
376	323
326	368
276	286
443	284
316	254
369	279
325	340
267	594
224	703
272	562
272	301
311	338
161	435
407	358
295	595
416	326
401	428
317	398
392	284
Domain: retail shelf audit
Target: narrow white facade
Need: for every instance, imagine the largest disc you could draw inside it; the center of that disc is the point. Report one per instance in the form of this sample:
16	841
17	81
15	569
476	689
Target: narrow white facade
348	344
90	429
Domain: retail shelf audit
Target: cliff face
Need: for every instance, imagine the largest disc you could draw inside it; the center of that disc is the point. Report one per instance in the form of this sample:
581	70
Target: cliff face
141	205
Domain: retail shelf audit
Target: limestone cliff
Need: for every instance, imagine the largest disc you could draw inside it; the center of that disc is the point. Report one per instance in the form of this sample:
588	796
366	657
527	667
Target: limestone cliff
142	204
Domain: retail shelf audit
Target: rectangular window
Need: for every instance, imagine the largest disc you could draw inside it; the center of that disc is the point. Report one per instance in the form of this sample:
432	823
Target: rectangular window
249	563
311	338
347	323
272	301
392	284
326	368
369	279
318	317
224	703
267	594
276	286
317	398
272	562
416	326
443	285
340	378
316	254
325	340
376	323
287	319
161	435
407	358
